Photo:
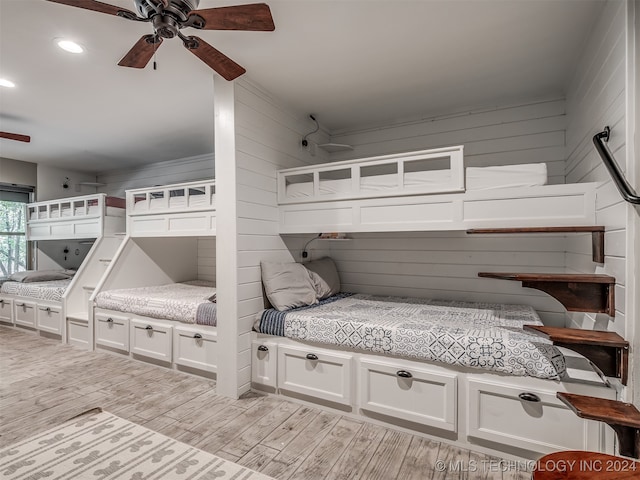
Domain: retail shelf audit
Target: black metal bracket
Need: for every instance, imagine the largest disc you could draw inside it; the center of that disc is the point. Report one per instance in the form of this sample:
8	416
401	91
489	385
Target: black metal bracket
627	192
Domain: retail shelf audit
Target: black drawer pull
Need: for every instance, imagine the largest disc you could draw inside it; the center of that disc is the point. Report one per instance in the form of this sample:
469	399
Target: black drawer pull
109	320
20	305
311	356
263	348
197	336
404	374
529	397
148	327
1	302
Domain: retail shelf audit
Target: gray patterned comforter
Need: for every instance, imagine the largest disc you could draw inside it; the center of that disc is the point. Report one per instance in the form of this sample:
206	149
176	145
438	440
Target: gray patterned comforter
52	290
479	335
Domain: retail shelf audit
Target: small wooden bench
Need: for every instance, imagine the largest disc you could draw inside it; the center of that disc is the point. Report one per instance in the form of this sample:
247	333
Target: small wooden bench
581	465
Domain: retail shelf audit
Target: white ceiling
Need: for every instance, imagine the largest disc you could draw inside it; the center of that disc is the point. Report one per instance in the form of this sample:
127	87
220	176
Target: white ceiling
353	63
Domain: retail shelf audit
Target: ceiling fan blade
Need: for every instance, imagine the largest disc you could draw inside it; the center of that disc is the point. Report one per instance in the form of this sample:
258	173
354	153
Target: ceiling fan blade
254	16
15	136
97	7
142	51
217	60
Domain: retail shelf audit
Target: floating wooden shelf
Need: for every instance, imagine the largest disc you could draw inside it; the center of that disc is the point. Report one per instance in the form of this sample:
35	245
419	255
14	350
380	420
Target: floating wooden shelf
597	235
582	465
577	292
606	350
623	417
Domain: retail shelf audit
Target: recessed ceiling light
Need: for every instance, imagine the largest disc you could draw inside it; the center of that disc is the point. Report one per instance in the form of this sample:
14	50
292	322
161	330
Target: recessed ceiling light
6	83
70	46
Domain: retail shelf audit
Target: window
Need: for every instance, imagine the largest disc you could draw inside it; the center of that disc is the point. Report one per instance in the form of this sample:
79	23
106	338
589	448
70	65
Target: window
14	249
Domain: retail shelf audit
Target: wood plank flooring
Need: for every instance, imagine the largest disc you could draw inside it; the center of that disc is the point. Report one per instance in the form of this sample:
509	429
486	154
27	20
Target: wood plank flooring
43	383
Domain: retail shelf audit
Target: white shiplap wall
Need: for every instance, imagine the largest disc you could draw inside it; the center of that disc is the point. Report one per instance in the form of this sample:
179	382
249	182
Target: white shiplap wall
265	137
597	98
161	173
206	262
445	264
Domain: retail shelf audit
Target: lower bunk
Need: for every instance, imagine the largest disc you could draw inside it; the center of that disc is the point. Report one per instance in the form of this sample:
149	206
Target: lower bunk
173	325
462	372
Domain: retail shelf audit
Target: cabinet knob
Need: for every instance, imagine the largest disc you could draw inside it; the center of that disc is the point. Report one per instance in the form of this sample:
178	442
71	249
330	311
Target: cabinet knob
404	374
263	348
1	302
529	397
109	320
311	356
197	336
148	327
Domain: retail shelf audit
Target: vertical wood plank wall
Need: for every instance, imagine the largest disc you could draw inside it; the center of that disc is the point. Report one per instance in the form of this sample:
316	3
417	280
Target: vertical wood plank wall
597	98
267	139
445	264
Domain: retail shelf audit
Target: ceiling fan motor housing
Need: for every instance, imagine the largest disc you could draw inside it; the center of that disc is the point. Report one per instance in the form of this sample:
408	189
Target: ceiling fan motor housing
178	8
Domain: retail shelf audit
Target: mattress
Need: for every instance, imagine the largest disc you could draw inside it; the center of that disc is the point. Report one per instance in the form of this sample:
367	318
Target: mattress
52	290
175	301
476	178
466	334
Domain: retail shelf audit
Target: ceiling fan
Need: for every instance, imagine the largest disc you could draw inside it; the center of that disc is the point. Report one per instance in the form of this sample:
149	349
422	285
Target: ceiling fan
168	17
15	136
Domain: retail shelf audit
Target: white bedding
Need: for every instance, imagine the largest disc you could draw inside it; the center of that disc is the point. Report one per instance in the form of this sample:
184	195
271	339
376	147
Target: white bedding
175	301
52	290
476	178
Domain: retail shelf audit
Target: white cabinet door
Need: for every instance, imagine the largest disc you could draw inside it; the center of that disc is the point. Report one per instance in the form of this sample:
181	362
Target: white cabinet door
264	362
315	372
25	313
151	339
49	318
112	331
195	348
412	393
6	306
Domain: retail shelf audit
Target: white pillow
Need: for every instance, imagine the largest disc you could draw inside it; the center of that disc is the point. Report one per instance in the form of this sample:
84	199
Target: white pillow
325	276
29	276
287	285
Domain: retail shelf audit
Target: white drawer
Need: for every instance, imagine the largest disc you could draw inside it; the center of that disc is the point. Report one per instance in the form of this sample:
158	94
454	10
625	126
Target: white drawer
195	348
264	358
412	393
151	339
112	331
78	333
6	305
25	313
501	413
314	372
49	318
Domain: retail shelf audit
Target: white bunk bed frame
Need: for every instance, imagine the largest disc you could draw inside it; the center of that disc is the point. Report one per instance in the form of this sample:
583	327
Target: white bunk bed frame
169	343
445	206
152	213
492	412
87	217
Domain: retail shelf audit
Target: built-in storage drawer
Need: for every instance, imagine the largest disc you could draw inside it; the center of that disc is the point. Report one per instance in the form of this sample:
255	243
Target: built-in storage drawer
49	318
25	313
315	372
112	331
78	333
532	419
196	348
416	394
264	358
151	339
6	305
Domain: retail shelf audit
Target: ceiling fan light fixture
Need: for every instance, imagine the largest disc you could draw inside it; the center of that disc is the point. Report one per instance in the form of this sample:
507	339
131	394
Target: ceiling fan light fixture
69	46
6	83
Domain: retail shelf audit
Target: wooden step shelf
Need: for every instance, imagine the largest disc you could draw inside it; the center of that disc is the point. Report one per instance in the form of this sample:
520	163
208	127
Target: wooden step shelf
577	292
582	465
623	417
597	235
608	351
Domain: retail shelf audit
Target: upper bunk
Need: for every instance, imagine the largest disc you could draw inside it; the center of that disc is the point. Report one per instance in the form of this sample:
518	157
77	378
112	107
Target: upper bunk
426	190
86	216
181	209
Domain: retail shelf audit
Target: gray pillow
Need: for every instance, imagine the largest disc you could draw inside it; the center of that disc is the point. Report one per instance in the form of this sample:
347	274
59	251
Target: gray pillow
29	276
287	285
327	280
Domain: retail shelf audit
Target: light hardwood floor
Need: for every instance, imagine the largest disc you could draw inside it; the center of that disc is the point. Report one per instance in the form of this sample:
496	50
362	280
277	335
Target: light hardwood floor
43	383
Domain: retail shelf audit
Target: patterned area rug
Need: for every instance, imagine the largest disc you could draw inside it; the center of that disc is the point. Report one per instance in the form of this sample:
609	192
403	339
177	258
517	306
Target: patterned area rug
98	445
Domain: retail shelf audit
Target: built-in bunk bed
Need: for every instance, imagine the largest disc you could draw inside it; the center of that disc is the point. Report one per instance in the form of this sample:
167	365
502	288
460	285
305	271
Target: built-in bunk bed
465	372
157	301
75	238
